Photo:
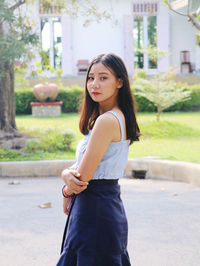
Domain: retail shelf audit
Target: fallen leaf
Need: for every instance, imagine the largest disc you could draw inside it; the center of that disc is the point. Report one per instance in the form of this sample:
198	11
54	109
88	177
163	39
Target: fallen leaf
45	205
14	182
162	189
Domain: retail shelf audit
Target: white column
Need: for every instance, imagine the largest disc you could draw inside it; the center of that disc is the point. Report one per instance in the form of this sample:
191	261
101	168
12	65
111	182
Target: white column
67	49
145	32
51	52
128	43
197	58
163	36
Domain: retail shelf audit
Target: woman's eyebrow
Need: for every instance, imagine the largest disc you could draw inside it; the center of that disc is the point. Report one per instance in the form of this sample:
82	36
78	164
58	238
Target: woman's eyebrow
100	73
103	73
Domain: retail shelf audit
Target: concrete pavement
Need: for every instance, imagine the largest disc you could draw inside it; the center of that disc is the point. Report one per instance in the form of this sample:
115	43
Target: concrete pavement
163	216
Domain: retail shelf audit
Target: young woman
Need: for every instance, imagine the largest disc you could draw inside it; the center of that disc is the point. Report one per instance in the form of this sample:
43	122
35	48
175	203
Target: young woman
96	229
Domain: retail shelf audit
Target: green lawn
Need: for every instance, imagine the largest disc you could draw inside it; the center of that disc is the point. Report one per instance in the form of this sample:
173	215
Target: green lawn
175	137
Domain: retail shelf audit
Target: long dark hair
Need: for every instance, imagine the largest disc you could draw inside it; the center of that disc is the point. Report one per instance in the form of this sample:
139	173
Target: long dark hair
126	102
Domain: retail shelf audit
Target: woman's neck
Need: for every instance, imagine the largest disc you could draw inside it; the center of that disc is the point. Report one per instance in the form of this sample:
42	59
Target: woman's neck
105	108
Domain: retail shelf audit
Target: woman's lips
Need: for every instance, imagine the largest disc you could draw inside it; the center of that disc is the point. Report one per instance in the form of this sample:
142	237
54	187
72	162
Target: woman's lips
95	93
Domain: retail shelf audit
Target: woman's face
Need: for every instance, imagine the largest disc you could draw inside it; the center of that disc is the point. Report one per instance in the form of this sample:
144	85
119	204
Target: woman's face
102	84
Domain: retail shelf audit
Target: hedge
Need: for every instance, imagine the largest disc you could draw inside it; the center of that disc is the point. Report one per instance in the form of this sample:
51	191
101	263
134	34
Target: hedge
192	104
72	97
23	98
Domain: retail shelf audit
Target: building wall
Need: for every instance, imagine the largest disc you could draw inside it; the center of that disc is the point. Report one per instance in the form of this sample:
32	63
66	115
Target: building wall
87	42
98	38
183	37
163	32
174	33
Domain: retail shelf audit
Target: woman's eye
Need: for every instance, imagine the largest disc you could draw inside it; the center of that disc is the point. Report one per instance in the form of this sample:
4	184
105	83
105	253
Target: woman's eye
103	78
90	78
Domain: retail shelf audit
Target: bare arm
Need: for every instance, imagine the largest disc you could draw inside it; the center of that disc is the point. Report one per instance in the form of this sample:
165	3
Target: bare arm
101	136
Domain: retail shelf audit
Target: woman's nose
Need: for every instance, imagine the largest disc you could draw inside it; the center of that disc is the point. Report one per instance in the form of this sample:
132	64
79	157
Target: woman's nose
95	83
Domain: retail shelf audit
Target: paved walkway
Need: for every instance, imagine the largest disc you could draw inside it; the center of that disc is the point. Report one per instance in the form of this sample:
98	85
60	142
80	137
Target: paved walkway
164	222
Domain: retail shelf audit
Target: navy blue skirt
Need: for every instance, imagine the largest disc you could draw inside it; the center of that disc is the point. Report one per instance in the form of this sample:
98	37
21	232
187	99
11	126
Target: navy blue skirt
96	230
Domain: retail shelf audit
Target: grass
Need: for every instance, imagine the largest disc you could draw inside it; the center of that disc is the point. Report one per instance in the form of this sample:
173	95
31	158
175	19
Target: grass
175	137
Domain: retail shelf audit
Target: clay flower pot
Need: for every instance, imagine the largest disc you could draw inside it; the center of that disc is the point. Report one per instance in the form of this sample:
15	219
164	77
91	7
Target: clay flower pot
44	91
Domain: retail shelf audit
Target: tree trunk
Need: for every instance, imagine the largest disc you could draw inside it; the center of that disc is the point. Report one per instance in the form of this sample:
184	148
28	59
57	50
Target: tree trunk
10	137
7	104
159	110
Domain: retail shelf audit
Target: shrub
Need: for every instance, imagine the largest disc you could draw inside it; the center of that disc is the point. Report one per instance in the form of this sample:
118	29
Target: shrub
32	145
23	98
11	154
2	153
192	104
53	140
71	98
144	105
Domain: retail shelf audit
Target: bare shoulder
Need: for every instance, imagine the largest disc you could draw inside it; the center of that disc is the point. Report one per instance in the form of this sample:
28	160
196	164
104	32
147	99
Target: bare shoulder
106	121
107	126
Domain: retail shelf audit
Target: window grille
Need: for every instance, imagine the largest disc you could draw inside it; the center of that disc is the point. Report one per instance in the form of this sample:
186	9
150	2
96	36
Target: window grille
49	9
145	8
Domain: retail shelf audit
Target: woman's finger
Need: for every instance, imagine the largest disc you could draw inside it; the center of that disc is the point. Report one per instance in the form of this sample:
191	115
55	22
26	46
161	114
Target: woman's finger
79	182
79	189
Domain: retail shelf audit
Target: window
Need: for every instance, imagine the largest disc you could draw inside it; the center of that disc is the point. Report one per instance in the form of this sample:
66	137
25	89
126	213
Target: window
144	33
138	37
152	38
51	37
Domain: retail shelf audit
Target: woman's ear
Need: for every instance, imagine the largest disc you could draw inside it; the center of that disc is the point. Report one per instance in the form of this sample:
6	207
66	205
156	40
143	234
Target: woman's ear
119	83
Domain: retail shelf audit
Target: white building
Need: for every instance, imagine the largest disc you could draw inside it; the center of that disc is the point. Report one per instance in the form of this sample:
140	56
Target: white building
65	40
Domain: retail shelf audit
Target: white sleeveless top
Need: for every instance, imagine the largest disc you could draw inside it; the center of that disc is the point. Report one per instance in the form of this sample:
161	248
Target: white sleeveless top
114	161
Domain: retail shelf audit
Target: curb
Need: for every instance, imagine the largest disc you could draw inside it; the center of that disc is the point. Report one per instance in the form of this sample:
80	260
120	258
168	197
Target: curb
164	169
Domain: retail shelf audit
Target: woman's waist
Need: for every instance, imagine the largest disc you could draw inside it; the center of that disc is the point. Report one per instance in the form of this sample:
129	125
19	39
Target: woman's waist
103	181
103	186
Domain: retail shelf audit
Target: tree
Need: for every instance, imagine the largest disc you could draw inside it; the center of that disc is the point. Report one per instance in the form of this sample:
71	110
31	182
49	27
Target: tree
16	39
193	11
161	89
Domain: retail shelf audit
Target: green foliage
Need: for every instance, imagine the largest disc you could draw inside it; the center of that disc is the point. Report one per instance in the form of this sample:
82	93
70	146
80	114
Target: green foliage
192	104
50	140
143	104
23	98
2	153
32	145
16	36
166	129
154	53
11	154
161	90
140	74
176	137
42	71
53	140
71	98
20	80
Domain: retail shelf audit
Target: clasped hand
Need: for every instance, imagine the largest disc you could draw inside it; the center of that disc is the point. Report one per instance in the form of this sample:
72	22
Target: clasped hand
71	179
74	186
